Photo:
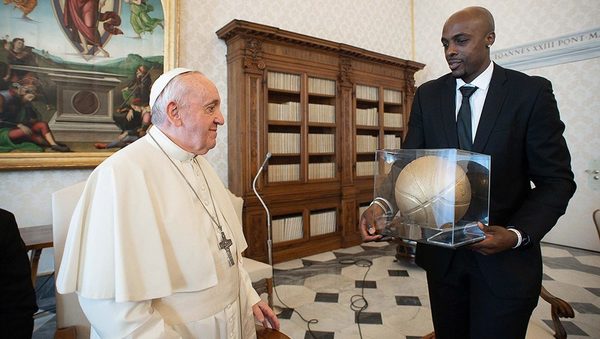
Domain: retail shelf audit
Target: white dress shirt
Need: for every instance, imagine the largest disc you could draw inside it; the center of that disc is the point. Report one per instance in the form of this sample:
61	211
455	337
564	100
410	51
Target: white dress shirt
477	99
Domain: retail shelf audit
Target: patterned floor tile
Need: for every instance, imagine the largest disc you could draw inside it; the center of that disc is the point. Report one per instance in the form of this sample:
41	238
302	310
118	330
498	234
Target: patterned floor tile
293	296
555	252
349	250
572	264
319	335
398	273
289	265
570	328
327	297
286	313
375	244
406	300
368	318
589	260
594	290
329	283
576	278
586	308
326	256
365	284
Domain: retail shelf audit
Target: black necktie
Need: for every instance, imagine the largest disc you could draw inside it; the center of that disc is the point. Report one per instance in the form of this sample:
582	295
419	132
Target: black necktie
463	122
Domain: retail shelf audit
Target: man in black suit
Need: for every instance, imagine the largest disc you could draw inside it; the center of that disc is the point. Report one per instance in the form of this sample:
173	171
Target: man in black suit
17	296
489	289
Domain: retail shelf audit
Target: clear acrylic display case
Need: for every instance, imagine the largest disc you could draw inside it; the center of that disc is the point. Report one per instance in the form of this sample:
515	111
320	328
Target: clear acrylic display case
438	195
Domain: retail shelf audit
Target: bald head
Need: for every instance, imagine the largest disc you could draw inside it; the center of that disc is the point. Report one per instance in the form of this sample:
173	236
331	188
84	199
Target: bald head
467	36
476	14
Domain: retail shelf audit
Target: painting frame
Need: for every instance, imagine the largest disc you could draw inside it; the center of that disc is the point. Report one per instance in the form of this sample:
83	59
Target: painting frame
78	160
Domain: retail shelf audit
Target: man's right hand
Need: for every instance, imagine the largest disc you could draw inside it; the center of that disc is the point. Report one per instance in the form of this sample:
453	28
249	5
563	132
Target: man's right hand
368	232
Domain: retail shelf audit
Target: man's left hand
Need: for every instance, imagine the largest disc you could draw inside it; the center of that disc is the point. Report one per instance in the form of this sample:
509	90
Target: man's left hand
497	239
265	315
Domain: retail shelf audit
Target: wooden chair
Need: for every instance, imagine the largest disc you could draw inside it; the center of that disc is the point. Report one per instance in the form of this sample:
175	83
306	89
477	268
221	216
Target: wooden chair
70	320
268	333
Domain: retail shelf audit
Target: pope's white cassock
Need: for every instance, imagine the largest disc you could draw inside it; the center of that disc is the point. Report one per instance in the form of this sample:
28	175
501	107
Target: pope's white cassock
142	252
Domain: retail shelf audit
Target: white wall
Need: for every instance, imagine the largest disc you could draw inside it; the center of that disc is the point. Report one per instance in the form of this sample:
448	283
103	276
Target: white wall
380	25
520	22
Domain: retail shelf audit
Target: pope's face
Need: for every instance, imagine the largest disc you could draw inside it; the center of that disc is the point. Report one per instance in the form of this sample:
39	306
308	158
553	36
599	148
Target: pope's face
200	116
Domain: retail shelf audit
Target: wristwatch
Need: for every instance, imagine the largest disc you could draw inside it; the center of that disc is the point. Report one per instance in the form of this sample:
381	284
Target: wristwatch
523	239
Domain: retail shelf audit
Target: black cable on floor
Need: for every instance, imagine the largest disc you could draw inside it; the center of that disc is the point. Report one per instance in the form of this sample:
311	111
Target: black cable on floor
358	302
308	322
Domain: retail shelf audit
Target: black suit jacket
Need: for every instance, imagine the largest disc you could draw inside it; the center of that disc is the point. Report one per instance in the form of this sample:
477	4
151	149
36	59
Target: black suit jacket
17	296
520	128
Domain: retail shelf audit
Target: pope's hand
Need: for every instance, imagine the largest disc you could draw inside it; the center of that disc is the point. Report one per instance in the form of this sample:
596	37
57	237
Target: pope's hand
265	315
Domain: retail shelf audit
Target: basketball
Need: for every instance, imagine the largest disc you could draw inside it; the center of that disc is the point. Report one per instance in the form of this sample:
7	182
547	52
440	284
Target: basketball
432	192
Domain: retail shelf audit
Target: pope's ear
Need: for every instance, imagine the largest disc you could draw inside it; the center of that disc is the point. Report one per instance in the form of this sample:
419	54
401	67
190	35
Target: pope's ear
173	113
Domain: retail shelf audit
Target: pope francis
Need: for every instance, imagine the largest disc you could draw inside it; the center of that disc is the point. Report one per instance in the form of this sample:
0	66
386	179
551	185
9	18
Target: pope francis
154	246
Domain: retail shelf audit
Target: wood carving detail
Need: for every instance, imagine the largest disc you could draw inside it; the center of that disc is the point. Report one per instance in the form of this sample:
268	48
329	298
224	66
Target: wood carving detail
253	54
345	72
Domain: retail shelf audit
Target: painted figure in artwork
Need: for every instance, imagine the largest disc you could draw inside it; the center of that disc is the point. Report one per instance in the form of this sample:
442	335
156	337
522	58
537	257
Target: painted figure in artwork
134	116
134	120
25	6
139	87
81	19
140	20
20	124
19	55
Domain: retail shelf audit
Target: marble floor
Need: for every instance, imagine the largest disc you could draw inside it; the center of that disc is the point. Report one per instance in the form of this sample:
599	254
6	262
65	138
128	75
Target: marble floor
324	286
327	288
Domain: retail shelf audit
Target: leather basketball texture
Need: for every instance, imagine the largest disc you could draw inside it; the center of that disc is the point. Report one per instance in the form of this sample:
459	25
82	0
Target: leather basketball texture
432	192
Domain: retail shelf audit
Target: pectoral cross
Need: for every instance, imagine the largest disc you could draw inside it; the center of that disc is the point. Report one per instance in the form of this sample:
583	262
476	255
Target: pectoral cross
226	244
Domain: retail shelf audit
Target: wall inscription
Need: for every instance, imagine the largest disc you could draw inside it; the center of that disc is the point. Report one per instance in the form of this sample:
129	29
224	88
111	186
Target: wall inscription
554	51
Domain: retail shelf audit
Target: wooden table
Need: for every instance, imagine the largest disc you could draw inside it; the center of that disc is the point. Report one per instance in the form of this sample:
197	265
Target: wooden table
36	238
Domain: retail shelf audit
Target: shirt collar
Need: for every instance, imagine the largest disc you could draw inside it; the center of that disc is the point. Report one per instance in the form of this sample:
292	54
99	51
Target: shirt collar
482	81
169	146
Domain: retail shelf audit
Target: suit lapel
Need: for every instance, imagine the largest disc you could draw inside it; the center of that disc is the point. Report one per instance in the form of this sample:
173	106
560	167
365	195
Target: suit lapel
448	111
491	108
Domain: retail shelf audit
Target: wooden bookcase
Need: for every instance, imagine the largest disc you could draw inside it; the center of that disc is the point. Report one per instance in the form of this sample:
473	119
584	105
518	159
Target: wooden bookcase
320	108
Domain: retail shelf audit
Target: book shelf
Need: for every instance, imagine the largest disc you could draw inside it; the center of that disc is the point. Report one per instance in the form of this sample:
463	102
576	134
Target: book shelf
321	109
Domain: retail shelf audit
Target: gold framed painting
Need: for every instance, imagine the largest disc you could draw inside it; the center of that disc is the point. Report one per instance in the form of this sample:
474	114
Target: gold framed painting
75	77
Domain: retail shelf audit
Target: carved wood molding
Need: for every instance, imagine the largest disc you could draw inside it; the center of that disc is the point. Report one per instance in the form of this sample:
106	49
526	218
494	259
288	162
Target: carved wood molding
345	77
248	29
253	59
